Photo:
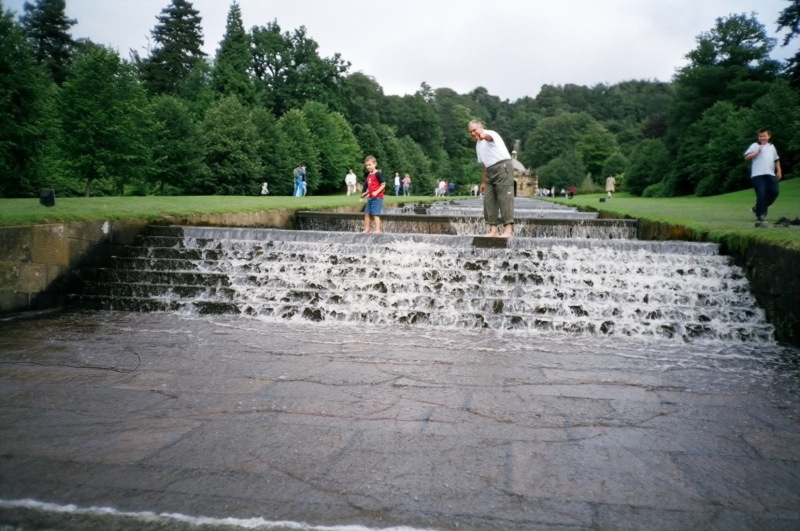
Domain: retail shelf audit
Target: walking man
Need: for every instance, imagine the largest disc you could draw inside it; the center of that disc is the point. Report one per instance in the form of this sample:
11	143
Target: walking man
498	179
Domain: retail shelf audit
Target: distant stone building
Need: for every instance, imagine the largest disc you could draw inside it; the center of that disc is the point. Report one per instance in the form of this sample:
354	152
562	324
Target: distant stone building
525	181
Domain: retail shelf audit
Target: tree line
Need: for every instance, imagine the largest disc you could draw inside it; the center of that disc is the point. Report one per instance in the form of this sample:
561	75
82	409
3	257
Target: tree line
78	117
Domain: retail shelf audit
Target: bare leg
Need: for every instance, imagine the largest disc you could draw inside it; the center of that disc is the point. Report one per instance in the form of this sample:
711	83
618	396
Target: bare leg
366	223
377	224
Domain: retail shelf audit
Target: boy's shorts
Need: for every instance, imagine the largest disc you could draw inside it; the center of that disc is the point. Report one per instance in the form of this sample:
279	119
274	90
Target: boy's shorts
374	206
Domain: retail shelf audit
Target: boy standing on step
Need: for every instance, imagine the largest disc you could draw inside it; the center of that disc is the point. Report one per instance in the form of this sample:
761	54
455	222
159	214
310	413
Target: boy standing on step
374	185
765	173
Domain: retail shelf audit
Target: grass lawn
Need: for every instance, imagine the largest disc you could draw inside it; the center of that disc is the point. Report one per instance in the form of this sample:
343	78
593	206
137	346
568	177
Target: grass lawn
29	211
725	216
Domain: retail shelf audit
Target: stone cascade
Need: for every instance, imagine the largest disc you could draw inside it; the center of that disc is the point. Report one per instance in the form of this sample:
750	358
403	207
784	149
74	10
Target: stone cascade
611	287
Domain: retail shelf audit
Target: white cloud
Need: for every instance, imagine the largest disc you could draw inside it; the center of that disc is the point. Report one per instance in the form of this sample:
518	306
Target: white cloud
508	46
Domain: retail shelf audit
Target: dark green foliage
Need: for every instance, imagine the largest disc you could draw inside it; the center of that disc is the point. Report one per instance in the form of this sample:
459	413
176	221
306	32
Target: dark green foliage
563	171
370	143
351	153
231	75
779	110
415	117
178	161
290	72
47	26
296	146
616	164
649	164
25	103
178	39
232	150
268	142
107	127
790	19
364	99
333	161
594	147
554	136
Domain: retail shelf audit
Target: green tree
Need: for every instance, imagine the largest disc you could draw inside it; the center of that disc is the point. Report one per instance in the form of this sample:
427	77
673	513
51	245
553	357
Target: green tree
269	142
555	136
351	151
178	150
730	63
419	166
364	99
25	102
563	171
107	127
595	146
232	67
290	72
178	38
232	150
615	164
46	24
413	116
333	161
370	142
790	19
779	110
296	147
649	164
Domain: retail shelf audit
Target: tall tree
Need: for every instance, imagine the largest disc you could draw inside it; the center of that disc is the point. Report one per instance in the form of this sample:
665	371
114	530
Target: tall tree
730	63
790	19
269	142
24	104
333	161
231	75
178	38
649	162
232	150
296	147
178	149
48	27
107	126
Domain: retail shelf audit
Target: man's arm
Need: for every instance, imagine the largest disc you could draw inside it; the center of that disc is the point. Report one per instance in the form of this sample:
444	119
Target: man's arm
751	153
487	137
483	182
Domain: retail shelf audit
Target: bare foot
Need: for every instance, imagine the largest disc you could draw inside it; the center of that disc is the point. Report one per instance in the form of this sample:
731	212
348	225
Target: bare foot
364	232
492	234
376	232
506	234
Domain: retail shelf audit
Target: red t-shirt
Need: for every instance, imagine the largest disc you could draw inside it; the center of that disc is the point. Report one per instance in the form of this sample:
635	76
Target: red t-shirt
373	182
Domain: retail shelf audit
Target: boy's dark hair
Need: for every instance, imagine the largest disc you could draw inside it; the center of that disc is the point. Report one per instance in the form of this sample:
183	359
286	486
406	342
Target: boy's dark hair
765	130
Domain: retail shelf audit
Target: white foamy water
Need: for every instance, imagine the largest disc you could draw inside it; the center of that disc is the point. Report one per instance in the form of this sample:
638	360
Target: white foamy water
145	517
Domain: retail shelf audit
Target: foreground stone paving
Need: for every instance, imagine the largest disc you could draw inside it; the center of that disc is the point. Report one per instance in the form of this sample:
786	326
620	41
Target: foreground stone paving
231	417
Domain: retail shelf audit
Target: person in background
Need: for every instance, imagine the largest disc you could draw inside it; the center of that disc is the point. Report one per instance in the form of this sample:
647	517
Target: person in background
374	187
571	192
406	185
765	172
610	182
451	188
475	190
350	181
396	184
264	189
298	183
563	192
304	177
552	191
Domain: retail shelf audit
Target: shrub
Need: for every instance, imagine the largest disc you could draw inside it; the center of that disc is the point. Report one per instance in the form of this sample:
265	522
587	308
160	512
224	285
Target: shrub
654	190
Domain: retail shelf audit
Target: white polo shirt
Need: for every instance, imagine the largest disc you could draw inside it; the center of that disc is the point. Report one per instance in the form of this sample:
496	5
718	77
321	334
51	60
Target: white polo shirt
764	163
490	153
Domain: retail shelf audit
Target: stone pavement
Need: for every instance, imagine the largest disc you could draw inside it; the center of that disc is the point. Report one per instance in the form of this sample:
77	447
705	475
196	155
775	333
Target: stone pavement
230	417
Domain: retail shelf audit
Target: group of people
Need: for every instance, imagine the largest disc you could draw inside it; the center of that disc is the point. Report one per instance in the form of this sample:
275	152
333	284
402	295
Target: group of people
544	192
300	181
443	188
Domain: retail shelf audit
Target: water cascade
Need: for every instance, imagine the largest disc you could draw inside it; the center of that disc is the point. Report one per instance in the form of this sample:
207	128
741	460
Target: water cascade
563	280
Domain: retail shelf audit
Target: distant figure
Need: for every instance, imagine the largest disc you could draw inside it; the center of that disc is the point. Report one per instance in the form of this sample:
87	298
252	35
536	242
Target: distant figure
406	185
563	192
350	181
264	189
765	172
396	184
298	182
451	188
571	192
373	191
475	190
498	179
303	176
553	191
610	182
440	188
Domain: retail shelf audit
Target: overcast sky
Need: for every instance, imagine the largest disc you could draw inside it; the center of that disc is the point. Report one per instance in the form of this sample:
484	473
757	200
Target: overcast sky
511	47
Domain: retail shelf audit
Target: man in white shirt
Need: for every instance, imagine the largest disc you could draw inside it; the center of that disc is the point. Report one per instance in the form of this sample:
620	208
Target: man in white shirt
498	179
350	181
765	173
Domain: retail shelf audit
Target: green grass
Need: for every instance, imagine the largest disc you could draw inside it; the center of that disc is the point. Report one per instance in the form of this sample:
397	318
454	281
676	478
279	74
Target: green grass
720	218
29	211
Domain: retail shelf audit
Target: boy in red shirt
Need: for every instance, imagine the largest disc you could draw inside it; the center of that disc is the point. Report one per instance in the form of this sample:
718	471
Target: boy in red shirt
374	185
